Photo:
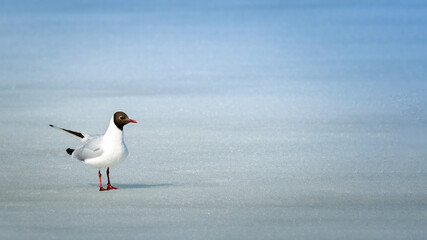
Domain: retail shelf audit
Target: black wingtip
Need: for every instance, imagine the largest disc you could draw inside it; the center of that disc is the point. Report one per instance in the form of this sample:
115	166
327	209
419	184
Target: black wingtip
69	151
51	125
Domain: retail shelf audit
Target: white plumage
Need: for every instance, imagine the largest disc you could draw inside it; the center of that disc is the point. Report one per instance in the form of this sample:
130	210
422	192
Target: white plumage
102	151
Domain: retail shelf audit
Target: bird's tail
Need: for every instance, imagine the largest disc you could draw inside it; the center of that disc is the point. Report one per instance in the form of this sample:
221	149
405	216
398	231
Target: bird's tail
70	151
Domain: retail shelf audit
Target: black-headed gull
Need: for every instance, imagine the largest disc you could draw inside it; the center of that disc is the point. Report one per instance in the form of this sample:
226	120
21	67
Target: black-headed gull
102	151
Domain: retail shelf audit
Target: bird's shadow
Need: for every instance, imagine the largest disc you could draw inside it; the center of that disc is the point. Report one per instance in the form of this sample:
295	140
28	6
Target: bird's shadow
137	185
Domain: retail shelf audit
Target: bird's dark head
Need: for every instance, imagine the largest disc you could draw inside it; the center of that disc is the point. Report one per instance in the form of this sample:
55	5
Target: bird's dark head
121	119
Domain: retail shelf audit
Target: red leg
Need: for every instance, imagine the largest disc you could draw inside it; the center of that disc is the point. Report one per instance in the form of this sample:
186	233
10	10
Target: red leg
100	182
109	187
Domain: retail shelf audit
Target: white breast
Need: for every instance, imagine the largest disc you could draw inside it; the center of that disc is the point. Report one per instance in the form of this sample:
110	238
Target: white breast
113	147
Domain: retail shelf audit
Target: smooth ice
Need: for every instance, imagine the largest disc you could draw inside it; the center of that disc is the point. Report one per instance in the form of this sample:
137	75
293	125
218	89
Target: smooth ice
256	119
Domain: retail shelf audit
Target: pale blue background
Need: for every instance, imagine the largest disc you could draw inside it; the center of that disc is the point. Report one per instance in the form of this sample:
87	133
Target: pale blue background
257	119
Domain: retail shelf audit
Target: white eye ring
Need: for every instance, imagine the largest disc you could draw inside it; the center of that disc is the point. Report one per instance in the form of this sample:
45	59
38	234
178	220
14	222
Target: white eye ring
121	117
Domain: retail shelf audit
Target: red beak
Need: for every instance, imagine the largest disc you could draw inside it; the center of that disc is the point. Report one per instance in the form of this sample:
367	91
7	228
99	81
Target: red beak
131	121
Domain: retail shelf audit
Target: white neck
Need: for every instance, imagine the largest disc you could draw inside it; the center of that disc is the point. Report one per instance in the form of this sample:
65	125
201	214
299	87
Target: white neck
113	133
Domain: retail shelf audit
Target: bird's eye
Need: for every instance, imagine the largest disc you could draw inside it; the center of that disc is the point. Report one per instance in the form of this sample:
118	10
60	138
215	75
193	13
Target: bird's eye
121	117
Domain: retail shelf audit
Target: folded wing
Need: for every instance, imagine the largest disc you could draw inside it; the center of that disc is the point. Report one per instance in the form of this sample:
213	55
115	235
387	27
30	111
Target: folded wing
91	149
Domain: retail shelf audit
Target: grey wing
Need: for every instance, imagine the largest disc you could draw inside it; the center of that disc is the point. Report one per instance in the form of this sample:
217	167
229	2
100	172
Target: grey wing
78	135
92	149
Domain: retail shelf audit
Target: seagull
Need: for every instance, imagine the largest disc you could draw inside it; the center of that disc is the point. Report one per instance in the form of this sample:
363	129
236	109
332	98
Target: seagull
102	151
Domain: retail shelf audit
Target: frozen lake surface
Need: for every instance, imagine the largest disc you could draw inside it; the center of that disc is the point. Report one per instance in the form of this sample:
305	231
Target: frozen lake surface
256	120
